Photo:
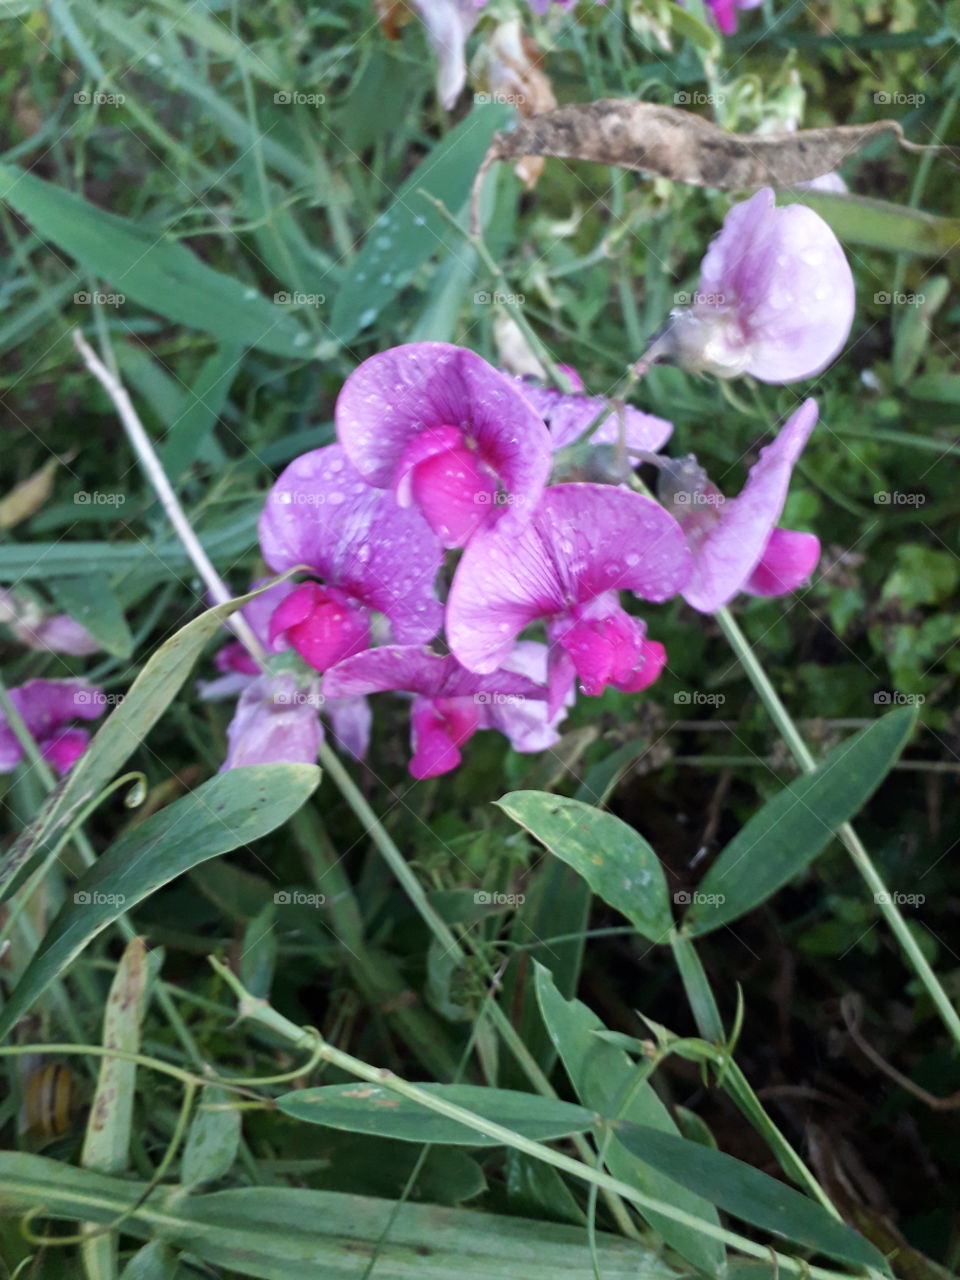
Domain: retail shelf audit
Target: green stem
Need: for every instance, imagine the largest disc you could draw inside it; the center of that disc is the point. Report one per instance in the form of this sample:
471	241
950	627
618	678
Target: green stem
259	1011
861	858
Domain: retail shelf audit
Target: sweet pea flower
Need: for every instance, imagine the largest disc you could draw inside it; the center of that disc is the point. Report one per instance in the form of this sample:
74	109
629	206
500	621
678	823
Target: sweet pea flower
36	628
584	543
277	717
568	416
725	12
775	298
447	24
450	703
448	434
46	708
735	542
368	553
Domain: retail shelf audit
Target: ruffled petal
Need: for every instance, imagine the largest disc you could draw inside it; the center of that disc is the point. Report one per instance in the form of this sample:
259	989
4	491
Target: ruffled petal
412	669
584	540
569	416
438	729
275	722
527	723
733	546
320	513
351	722
397	395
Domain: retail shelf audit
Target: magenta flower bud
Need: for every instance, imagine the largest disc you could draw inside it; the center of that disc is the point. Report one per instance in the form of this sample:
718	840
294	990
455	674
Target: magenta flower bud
323	624
775	300
46	708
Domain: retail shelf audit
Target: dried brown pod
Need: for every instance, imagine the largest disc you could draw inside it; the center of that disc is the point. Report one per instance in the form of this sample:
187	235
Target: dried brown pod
685	147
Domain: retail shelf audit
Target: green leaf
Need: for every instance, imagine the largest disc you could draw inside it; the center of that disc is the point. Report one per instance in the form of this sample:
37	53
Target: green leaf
914	327
274	1233
213	1139
797	824
232	809
90	600
128	725
615	860
881	225
748	1194
155	1261
199	410
158	273
368	1108
604	1079
412	229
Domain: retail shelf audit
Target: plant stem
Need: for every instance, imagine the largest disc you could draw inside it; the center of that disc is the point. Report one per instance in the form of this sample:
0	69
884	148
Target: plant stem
861	858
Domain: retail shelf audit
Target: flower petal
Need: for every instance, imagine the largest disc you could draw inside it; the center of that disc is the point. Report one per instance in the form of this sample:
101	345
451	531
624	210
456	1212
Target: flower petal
395	395
527	722
351	721
413	669
733	546
274	723
583	540
568	417
788	560
321	514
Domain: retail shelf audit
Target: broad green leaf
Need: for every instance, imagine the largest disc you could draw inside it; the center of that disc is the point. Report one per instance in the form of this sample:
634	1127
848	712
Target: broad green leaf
370	1108
90	600
155	272
615	860
748	1194
797	824
412	229
275	1233
199	410
913	328
147	698
604	1079
881	225
155	1261
213	1139
232	809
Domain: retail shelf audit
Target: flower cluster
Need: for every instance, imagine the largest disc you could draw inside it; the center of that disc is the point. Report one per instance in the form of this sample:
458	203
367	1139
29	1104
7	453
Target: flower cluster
438	451
46	708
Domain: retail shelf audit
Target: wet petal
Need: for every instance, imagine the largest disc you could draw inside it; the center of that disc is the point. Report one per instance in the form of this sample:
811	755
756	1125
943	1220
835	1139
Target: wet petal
788	560
275	722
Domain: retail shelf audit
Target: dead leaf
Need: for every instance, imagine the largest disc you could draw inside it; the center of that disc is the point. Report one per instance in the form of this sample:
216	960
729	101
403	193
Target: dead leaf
26	498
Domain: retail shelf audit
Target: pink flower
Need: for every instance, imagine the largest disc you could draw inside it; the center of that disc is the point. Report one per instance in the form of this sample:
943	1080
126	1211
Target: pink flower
775	298
450	702
584	543
725	12
569	415
46	708
277	717
368	553
735	543
448	433
36	628
447	24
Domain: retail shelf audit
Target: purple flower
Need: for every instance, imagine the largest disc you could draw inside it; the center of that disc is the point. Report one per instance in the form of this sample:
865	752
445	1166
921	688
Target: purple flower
46	708
368	553
569	415
735	543
277	717
775	298
447	24
447	433
584	543
37	629
725	12
450	702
